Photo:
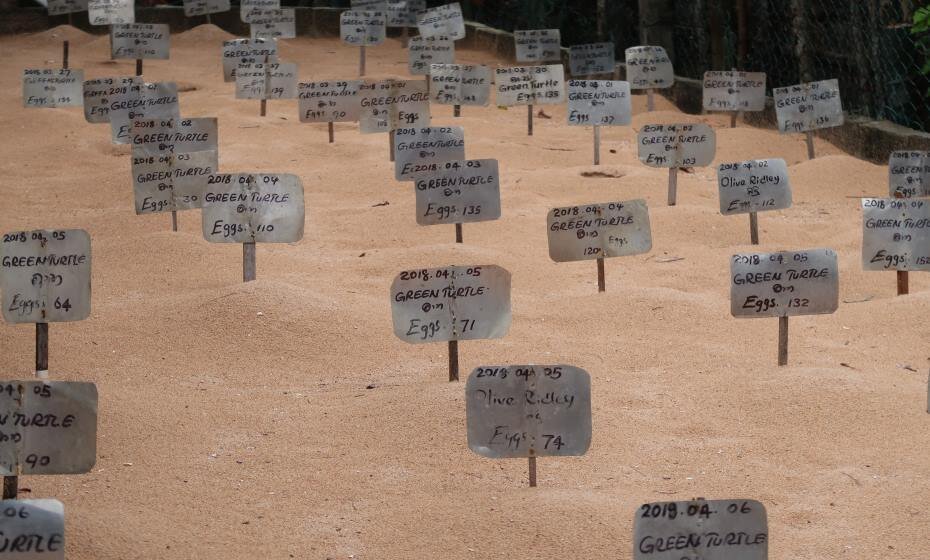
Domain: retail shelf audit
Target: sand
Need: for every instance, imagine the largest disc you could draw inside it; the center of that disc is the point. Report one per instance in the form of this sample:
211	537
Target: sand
283	419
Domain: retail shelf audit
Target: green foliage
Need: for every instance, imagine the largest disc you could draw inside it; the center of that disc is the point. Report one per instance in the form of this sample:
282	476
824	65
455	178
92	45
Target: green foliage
920	30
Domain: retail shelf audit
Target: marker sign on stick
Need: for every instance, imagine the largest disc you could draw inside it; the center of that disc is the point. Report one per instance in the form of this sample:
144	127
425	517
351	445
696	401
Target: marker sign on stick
594	58
273	24
141	101
193	8
420	151
404	14
676	145
250	208
97	96
329	101
734	91
705	530
49	427
111	12
808	106
50	88
538	45
45	276
393	104
649	67
895	234
599	103
451	303
528	411
459	192
460	84
426	51
446	21
250	9
596	231
60	7
280	78
37	527
530	85
140	40
360	28
909	174
784	284
756	185
246	51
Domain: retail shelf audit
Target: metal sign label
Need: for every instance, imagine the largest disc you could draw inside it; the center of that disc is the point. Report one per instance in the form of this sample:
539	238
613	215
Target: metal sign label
649	67
594	58
530	85
809	106
528	411
459	192
734	91
97	94
33	529
239	52
596	231
404	14
460	84
426	51
329	101
362	28
895	234
273	24
676	145
705	530
50	88
393	104
168	182
61	7
451	303
250	9
538	45
260	208
444	21
141	101
756	185
111	12
280	79
369	5
784	284
47	427
419	151
909	174
599	103
160	136
45	276
193	8
140	40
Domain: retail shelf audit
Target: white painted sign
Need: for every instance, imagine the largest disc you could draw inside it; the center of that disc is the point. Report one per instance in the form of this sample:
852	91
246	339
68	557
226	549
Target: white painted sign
393	104
676	145
530	85
599	103
329	101
258	207
35	527
784	284
157	100
459	192
97	96
597	231
909	174
538	45
140	40
246	51
273	24
193	8
895	234
808	106
460	84
444	21
163	136
649	67
53	87
250	9
60	7
418	152
734	91
591	59
756	185
404	13
360	28
426	51
111	12
275	80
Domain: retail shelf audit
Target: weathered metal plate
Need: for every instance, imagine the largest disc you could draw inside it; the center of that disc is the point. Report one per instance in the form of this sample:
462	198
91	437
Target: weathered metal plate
426	51
111	12
273	24
676	145
170	182
240	52
250	9
140	40
261	208
757	185
909	174
530	85
649	67
60	7
280	78
362	28
369	5
329	101
141	101
47	427
419	151
895	234
97	96
40	523
451	303
701	530
194	8
595	231
538	45
528	411
459	192
393	104
49	88
808	106
460	84
734	91
404	14
45	276
784	284
161	136
591	59
444	20
599	103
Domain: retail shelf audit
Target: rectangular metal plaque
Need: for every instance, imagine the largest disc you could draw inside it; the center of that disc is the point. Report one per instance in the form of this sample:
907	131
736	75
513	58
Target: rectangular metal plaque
393	104
459	192
168	182
808	106
591	59
676	145
273	24
649	67
246	51
595	231
36	527
756	185
530	85
111	12
734	91
444	21
404	14
261	208
895	234
140	40
538	45
362	28
419	151
784	284
251	9
460	84
194	8
97	96
426	51
45	276
599	103
329	101
160	136
909	174
60	7
49	88
141	101
280	79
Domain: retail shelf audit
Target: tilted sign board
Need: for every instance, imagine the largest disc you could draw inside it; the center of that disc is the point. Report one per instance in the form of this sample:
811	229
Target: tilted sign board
446	21
705	530
734	91
596	231
426	51
419	151
362	28
594	58
97	96
756	185
808	106
50	88
280	79
111	12
45	276
38	526
273	24
260	207
909	174
599	103
895	234
460	84
142	101
251	9
538	45
676	145
47	427
784	284
528	411
451	303
371	5
61	7
194	8
404	14
393	104
240	52
459	192
140	40
329	101
649	68
530	85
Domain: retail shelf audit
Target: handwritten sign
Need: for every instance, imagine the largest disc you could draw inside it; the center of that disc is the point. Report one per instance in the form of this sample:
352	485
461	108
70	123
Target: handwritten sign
705	530
446	21
808	106
426	51
157	100
35	527
649	67
362	28
451	303
47	427
404	14
895	234
530	85
246	51
60	7
538	45
273	24
97	94
784	284
329	101
50	88
193	8
734	91
163	136
594	58
753	186
250	9
909	174
45	276
460	84
596	231
393	104
459	192
261	208
140	40
280	78
599	103
111	12
419	151
676	145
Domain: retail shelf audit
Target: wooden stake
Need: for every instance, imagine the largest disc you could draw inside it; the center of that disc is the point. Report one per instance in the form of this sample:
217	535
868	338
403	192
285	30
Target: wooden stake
248	261
457	111
733	119
391	142
361	61
754	228
529	120
783	341
672	186
174	220
601	281
458	233
597	145
404	37
64	57
453	360
10	487
903	283
70	18
263	107
532	468
42	350
332	133
810	145
650	101
209	19
138	67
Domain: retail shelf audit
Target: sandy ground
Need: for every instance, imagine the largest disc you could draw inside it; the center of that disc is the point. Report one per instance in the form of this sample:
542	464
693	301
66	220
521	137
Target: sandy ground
236	421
